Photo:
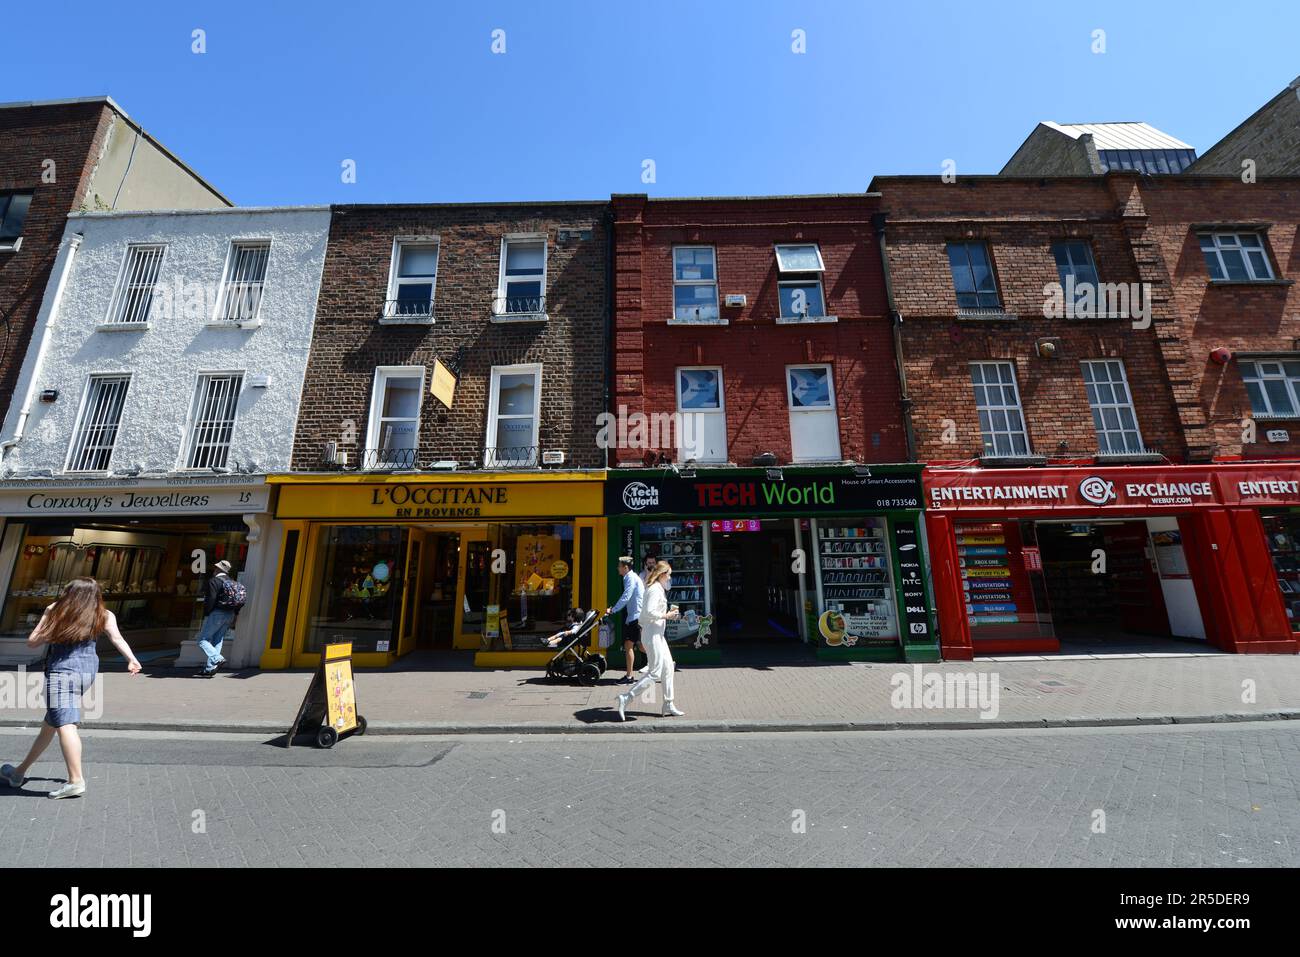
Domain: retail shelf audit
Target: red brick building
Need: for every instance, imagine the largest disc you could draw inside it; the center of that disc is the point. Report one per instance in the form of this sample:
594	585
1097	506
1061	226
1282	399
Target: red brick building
731	311
1078	351
57	157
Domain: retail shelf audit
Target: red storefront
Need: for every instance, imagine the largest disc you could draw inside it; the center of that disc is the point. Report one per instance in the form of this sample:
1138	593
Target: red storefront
1107	558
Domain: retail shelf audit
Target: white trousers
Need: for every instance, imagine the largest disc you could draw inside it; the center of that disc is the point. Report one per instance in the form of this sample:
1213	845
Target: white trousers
659	666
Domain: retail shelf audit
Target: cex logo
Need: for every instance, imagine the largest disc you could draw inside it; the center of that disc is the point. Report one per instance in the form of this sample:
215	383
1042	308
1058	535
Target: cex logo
1097	490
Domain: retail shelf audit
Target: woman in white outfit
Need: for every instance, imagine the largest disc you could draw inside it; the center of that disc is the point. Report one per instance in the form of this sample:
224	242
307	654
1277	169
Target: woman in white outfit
655	615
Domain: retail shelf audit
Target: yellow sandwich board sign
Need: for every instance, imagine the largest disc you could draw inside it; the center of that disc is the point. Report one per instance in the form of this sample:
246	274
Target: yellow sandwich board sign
329	709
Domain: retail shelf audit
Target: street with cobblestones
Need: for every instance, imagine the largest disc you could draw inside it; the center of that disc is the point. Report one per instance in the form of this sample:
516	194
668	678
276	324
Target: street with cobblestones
1196	795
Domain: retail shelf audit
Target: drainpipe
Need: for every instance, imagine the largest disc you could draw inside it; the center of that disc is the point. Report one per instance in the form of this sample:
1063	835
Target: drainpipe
41	336
896	319
609	314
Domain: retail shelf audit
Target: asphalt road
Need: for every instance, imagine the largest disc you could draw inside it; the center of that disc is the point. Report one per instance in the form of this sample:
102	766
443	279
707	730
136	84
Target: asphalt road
1210	795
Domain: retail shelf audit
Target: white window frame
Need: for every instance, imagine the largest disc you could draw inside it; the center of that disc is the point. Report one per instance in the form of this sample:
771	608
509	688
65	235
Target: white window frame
1259	376
191	445
801	277
490	458
118	301
77	446
720	411
1220	239
714	282
375	423
1009	433
796	413
1105	434
220	316
395	281
500	312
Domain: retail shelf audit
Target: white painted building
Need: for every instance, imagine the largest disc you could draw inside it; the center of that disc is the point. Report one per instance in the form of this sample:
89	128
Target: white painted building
161	386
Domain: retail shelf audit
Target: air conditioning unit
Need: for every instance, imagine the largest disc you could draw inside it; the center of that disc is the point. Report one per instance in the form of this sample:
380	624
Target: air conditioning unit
736	300
552	458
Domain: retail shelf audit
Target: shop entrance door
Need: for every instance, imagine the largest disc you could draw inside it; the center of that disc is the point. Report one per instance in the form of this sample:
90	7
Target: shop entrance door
755	591
1103	588
473	591
438	590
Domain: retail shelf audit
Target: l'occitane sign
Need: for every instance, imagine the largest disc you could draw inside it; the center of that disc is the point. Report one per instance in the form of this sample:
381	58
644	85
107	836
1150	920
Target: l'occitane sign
439	500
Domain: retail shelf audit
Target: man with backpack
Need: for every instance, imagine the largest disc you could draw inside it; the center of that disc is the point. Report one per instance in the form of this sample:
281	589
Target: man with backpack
222	599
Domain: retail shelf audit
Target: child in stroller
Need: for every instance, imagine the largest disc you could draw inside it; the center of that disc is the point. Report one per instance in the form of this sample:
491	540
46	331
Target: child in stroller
574	620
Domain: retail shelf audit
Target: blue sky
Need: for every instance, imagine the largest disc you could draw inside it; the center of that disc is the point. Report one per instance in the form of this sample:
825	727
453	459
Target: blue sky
586	91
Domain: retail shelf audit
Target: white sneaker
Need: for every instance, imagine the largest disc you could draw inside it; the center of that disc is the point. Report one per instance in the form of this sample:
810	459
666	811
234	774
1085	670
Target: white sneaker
623	700
670	711
69	790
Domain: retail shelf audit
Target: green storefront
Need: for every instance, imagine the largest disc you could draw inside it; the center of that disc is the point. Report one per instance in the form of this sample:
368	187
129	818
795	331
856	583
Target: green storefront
828	557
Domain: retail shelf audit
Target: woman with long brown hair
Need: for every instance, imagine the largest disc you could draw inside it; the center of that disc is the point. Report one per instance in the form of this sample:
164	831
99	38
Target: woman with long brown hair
69	629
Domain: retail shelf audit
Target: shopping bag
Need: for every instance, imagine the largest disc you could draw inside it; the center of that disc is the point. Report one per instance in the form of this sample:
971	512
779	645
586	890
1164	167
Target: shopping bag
606	633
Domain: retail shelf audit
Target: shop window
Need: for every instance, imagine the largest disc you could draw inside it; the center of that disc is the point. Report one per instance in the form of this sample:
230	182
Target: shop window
413	279
1002	581
13	213
513	412
856	604
701	415
1235	256
1273	387
522	283
393	437
695	284
97	426
529	602
799	285
213	418
1112	407
997	400
1282	530
241	296
148	573
681	545
133	300
814	424
972	278
360	570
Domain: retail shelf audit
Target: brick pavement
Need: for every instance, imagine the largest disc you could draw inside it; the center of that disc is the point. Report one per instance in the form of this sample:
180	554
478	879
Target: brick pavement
1090	690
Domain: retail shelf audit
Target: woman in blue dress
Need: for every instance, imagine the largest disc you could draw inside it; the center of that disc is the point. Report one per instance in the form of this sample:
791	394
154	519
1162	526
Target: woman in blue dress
69	629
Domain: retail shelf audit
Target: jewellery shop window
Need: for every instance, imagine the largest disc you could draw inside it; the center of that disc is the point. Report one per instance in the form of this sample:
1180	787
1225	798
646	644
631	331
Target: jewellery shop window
681	545
1282	530
857	591
529	602
359	590
151	578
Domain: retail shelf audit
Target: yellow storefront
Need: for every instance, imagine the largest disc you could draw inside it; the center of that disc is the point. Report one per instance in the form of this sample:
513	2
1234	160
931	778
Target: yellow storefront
489	563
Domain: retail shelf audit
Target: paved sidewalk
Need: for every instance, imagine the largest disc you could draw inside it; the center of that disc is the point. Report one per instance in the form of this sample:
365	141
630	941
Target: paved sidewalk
794	696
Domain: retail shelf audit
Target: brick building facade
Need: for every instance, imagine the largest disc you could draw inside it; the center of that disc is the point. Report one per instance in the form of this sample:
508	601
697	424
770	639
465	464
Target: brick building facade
751	343
61	157
352	338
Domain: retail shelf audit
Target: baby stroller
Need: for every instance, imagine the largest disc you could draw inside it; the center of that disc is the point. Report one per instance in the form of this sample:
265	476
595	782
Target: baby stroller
572	661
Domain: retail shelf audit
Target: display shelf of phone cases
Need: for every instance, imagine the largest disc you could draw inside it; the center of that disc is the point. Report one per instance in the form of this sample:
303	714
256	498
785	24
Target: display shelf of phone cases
681	545
853	558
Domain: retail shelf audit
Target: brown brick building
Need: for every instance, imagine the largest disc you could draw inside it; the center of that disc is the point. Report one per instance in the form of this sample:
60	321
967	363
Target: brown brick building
378	310
62	156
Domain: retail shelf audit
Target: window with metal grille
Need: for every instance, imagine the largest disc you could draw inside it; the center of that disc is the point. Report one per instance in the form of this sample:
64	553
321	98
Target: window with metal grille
1273	387
523	276
1112	407
101	414
242	297
1239	257
135	287
972	277
215	401
1002	424
414	276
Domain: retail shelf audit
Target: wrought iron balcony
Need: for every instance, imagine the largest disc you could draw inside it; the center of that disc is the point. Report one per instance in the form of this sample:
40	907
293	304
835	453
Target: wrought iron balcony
418	312
512	457
519	307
